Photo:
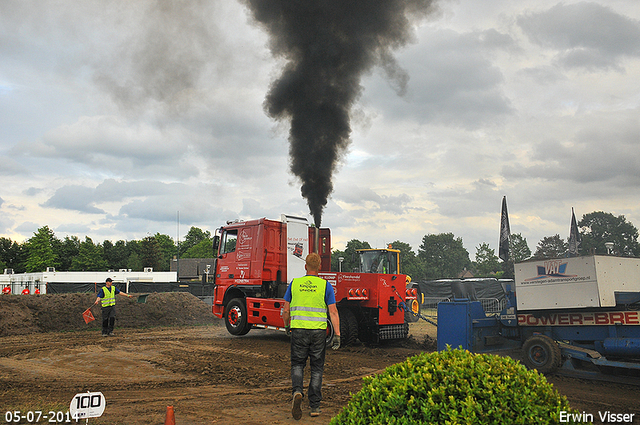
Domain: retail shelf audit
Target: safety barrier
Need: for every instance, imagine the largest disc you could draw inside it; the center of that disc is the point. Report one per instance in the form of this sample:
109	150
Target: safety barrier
491	306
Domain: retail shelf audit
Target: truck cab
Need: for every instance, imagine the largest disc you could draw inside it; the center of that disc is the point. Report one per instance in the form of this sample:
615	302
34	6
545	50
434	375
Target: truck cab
257	259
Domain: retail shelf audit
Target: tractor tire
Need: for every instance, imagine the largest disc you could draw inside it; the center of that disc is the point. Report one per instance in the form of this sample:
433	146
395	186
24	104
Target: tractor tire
366	332
542	353
348	327
235	317
412	311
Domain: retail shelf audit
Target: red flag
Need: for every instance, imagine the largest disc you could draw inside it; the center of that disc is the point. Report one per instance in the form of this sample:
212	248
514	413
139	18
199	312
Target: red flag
87	316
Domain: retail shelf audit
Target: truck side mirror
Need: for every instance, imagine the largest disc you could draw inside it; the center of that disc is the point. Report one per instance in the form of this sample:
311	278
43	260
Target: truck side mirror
216	244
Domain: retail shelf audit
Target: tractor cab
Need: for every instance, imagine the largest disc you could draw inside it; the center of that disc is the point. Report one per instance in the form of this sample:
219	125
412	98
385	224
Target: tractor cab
384	261
387	261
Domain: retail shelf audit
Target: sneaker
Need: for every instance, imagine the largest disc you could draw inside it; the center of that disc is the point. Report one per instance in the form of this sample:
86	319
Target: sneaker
105	334
315	411
296	411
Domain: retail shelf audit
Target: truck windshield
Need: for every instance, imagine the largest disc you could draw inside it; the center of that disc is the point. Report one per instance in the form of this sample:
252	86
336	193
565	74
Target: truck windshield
378	262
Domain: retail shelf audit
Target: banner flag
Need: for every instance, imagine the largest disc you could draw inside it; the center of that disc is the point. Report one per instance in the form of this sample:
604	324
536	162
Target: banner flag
505	232
574	237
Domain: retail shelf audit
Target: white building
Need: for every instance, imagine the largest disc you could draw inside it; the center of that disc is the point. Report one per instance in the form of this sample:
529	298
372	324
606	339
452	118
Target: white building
40	281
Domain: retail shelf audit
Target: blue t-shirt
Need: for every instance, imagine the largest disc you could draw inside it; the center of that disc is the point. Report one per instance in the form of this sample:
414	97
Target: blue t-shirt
101	293
329	295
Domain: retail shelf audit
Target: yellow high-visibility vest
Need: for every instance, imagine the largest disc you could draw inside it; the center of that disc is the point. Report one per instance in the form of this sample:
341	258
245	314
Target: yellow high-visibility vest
308	308
109	298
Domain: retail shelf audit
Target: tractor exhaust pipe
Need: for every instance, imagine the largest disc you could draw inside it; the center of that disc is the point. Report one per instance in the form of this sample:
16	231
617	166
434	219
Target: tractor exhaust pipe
316	245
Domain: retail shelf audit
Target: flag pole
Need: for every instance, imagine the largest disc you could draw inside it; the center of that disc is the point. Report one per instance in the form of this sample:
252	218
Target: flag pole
505	232
574	237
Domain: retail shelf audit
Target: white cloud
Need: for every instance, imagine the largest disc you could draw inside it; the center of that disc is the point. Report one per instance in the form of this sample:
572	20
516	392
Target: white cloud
363	200
585	35
452	80
73	198
591	155
11	167
140	200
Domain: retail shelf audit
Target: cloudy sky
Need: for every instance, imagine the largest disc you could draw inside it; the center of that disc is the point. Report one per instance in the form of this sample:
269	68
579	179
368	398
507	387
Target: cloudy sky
118	116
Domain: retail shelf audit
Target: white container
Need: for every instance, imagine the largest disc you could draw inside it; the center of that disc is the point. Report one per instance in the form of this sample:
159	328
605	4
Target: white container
577	282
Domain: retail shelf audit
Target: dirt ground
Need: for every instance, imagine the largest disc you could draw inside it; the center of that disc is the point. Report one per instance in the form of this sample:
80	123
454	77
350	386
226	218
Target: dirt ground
207	375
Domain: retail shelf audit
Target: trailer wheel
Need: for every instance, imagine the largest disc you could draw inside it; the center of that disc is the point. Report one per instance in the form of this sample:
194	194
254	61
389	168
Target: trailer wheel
348	327
542	353
235	317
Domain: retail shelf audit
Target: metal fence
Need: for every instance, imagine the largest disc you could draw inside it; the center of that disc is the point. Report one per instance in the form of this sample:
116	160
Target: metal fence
431	303
491	306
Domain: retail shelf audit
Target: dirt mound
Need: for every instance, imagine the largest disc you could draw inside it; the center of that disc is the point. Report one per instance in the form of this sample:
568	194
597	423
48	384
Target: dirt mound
25	314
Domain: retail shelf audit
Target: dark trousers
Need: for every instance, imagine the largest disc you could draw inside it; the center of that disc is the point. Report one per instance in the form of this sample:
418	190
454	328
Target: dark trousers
108	319
308	343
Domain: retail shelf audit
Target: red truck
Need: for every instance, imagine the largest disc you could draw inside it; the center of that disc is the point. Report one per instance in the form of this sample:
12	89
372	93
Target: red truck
257	259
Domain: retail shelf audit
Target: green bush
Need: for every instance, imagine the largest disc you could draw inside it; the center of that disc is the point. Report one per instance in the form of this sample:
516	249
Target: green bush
455	387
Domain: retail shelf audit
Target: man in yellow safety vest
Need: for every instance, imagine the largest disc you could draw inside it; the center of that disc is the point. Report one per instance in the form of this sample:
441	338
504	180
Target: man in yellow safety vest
307	300
107	295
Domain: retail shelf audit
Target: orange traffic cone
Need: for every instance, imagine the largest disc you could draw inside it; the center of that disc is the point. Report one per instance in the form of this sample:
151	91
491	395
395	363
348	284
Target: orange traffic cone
170	418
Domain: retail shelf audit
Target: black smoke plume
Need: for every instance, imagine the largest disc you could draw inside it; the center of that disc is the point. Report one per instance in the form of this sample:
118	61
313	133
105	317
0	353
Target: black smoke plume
328	45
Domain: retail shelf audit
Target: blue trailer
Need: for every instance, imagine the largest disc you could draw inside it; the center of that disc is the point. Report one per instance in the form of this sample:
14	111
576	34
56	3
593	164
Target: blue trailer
581	314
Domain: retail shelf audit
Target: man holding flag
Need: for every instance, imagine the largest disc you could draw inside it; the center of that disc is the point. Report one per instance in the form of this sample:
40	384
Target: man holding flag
108	297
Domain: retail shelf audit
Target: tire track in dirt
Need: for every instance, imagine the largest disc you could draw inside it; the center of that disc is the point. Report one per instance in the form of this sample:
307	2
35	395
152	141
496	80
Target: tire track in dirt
218	349
211	377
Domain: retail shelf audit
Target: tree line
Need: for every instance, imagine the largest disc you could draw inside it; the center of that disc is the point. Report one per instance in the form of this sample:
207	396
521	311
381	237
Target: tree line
444	256
45	250
439	255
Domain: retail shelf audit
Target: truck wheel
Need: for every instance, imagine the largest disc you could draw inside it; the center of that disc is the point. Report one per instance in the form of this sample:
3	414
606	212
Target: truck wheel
348	327
235	317
541	353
